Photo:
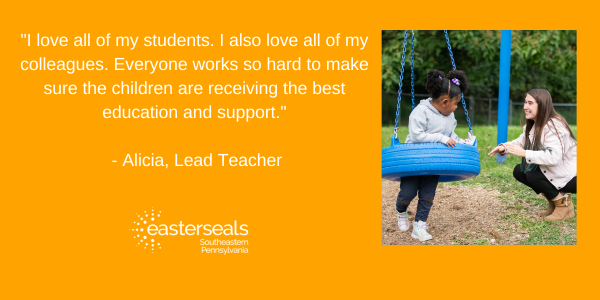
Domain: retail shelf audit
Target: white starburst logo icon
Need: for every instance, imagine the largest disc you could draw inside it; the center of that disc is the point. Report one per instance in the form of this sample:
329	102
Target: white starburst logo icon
141	236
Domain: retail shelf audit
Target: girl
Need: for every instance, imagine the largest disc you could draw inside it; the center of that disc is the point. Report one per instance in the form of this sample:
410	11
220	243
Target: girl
549	157
431	121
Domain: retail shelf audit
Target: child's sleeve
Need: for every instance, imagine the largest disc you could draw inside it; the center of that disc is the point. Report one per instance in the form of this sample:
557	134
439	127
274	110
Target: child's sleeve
417	128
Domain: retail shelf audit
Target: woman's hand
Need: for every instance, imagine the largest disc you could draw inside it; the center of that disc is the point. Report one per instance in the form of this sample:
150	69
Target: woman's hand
499	149
515	150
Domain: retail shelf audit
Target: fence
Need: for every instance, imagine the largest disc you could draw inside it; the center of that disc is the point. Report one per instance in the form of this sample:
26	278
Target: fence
482	111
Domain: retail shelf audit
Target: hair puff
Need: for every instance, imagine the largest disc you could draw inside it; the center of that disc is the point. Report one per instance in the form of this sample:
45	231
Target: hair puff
434	84
462	79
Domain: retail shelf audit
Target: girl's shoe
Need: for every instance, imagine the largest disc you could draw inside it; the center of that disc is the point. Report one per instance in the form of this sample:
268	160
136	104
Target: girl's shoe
403	221
420	231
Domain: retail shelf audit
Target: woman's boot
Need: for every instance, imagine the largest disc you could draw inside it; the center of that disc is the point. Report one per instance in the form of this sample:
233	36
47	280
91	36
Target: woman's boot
563	209
550	208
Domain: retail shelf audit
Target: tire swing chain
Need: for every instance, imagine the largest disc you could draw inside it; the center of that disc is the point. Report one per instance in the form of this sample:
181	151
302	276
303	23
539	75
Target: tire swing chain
412	77
400	84
412	69
462	95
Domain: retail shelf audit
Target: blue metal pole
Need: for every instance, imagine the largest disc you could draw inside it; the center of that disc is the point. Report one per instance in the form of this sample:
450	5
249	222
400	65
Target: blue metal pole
503	91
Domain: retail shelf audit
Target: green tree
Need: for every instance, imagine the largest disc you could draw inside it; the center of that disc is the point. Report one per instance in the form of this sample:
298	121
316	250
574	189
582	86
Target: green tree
539	59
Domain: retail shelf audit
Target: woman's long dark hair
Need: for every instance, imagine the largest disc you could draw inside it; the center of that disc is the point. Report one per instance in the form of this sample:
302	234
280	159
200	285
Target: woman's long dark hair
545	114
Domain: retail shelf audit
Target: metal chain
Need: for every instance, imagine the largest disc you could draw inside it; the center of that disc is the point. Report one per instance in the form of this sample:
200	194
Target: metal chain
412	69
454	67
400	85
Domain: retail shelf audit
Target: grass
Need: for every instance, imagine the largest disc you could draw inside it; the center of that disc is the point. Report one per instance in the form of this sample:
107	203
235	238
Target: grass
499	177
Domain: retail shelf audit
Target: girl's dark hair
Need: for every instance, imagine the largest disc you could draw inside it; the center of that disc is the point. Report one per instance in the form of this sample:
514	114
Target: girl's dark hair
438	88
545	114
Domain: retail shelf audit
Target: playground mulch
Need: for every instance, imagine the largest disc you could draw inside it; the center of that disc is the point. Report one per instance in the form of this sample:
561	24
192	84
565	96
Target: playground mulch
461	215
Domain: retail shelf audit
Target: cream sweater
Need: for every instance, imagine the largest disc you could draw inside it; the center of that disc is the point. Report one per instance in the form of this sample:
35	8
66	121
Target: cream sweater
559	165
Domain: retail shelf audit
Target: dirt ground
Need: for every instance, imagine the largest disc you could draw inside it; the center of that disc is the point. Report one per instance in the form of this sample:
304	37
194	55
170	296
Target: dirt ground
460	215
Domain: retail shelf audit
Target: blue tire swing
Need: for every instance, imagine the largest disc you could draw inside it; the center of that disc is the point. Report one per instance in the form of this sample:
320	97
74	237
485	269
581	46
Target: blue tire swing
416	159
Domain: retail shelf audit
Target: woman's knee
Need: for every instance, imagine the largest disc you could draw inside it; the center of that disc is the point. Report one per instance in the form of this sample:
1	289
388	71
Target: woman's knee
517	174
535	176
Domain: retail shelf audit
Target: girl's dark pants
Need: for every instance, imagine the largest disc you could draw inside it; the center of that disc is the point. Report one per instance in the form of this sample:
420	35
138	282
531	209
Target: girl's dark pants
540	184
409	186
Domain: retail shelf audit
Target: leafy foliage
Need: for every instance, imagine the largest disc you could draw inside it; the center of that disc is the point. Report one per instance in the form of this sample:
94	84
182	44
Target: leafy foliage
539	59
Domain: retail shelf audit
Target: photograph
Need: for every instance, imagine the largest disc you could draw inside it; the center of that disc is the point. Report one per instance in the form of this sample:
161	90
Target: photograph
479	137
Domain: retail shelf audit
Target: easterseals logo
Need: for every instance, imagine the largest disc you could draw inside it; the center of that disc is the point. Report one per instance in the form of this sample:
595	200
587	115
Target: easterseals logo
149	233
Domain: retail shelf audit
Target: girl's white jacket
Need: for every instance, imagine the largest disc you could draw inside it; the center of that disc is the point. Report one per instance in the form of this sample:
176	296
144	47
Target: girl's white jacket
559	165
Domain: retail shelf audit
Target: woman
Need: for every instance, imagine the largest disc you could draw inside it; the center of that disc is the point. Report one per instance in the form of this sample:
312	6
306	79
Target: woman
549	164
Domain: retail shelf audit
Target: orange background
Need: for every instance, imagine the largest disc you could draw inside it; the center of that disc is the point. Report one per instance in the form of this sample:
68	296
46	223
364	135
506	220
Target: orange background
314	222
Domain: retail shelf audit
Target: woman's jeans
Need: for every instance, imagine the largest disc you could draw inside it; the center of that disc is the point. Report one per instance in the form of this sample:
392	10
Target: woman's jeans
540	184
409	186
